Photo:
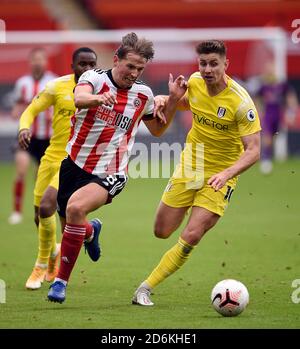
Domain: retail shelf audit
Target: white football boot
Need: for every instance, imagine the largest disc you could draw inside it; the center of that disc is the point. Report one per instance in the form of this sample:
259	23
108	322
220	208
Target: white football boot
142	297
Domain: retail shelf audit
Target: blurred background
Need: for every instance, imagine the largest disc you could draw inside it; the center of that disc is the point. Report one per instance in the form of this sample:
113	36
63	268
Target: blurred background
256	33
262	227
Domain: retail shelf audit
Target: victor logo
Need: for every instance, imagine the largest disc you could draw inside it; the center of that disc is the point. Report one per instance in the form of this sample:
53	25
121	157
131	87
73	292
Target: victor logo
208	122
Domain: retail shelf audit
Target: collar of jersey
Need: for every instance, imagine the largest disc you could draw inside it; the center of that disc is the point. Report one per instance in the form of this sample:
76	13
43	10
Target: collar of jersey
109	74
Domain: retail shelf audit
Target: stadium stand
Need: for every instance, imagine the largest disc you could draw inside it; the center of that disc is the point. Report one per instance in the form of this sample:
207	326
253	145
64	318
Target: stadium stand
192	13
26	15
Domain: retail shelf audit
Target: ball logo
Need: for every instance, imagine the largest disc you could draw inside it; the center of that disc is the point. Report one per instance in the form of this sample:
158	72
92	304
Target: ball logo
229	297
251	115
137	103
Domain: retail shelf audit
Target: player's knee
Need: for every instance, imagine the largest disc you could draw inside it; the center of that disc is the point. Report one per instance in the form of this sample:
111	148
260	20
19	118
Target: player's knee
161	232
47	208
75	209
192	236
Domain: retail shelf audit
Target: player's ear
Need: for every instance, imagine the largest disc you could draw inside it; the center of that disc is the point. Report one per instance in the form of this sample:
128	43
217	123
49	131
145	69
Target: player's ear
115	60
72	67
226	63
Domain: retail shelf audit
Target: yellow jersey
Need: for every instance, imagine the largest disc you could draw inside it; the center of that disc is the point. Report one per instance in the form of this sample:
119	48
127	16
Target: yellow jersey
58	93
214	141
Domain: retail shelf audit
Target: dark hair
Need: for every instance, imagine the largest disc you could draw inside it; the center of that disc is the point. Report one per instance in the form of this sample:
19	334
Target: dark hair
140	46
82	49
211	46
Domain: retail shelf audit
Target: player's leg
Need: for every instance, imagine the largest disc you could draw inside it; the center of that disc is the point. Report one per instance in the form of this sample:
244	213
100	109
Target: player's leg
36	149
172	209
71	179
208	206
22	162
168	219
36	215
47	231
200	221
84	200
45	174
176	200
80	193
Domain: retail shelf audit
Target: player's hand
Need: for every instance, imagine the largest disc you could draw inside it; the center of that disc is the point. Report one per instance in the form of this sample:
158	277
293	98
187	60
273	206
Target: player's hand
177	87
218	180
107	99
159	105
24	138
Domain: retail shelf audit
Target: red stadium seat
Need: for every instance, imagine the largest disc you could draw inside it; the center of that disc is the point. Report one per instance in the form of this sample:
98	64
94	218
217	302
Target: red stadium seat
25	15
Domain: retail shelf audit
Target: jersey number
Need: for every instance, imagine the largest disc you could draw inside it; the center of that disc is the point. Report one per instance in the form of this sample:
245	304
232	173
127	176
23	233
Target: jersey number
111	179
228	193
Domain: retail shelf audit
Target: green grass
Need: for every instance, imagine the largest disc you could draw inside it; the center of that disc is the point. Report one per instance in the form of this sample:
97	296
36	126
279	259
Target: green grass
256	242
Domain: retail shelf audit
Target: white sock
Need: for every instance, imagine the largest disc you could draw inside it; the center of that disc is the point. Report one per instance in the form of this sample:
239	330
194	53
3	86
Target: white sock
61	280
145	285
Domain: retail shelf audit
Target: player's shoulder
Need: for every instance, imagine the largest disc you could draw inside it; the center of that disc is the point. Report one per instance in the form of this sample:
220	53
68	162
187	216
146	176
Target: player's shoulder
142	87
100	71
242	101
195	80
25	79
196	76
60	82
93	73
49	75
239	91
64	78
97	71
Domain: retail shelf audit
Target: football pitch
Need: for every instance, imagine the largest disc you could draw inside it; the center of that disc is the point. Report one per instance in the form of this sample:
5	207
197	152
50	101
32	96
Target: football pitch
256	242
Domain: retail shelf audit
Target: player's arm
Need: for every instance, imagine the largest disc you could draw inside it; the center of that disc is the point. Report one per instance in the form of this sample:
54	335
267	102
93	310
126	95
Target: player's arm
84	97
20	104
40	103
166	106
18	109
250	155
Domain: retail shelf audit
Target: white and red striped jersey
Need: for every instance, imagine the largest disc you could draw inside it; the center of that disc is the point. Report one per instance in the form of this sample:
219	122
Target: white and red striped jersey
25	89
102	137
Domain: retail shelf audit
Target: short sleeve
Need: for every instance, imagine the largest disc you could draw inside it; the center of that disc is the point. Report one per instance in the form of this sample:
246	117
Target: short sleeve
93	78
247	119
149	107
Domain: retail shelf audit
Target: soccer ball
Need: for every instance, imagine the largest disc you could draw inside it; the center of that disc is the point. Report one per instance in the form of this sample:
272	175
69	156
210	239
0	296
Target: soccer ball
229	297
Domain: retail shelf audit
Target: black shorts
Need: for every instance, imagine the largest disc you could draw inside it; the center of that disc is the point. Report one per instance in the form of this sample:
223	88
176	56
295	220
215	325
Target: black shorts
72	178
36	149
